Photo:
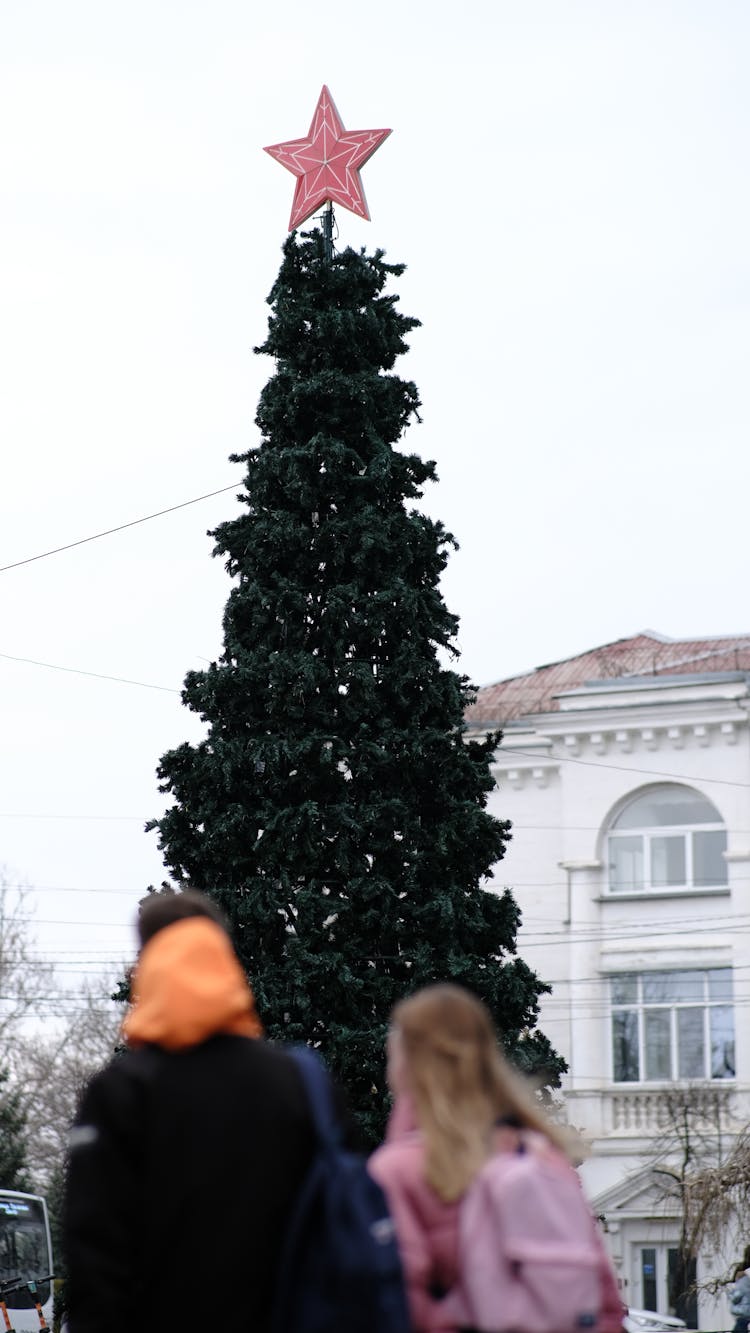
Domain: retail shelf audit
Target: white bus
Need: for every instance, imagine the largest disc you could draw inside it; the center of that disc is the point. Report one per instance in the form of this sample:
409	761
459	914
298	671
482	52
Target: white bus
25	1256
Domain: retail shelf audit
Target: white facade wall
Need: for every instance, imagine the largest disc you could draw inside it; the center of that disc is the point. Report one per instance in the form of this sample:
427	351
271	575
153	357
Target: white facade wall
561	778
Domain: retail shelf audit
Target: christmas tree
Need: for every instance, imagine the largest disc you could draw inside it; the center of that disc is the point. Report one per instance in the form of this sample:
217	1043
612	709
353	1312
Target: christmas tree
336	808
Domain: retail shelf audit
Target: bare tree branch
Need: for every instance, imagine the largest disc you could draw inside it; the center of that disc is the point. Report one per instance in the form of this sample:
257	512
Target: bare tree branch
703	1167
47	1068
24	978
55	1069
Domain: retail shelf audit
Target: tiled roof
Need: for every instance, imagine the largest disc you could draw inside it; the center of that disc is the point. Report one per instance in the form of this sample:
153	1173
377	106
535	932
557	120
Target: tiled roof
644	654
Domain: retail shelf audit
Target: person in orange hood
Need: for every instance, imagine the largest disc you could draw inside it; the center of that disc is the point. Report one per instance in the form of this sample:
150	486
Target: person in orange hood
188	1150
188	984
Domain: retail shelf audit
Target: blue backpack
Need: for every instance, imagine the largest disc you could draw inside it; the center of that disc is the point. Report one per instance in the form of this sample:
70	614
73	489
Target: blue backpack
340	1270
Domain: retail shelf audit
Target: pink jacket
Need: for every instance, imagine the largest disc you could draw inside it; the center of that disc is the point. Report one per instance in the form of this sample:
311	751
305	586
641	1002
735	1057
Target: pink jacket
427	1230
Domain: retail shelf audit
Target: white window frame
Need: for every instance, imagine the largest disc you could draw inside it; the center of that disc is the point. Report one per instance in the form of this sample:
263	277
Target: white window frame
640	1006
647	834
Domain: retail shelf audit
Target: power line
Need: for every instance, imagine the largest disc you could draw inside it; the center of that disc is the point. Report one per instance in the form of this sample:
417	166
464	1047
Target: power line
622	768
596	828
630	922
140	819
68	888
108	532
738	921
554	828
97	675
699	928
612	930
594	1009
66	921
528	920
58	997
50	956
677	891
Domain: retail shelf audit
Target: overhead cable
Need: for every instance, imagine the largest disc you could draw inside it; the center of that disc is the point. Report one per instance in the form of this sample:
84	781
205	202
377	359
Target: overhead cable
98	675
623	768
108	532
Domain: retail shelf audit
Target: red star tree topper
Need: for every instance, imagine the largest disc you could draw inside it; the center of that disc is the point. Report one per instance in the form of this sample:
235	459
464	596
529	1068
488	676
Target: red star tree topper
327	163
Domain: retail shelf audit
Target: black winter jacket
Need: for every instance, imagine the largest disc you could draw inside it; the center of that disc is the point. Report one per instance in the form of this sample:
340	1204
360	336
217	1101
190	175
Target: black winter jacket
183	1169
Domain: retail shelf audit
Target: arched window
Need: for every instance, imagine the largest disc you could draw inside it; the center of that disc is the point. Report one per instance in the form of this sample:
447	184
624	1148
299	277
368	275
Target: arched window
667	837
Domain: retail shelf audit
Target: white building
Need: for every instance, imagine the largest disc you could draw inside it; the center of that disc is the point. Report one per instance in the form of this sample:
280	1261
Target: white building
626	774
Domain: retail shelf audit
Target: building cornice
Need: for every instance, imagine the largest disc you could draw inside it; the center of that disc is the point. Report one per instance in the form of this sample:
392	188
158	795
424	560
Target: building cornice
679	727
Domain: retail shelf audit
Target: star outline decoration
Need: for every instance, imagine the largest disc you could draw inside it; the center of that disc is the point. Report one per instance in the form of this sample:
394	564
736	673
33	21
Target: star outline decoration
327	163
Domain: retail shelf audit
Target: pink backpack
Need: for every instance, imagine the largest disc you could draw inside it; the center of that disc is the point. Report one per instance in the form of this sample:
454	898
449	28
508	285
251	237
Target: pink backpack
530	1258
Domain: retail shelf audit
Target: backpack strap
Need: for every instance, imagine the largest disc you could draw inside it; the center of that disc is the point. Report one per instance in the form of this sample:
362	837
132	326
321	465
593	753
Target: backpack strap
317	1086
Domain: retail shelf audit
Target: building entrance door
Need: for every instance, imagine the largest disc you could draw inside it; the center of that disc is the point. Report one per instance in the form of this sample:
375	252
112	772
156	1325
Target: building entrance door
665	1284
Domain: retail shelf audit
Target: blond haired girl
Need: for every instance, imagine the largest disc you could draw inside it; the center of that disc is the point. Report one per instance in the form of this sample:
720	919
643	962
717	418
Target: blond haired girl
456	1102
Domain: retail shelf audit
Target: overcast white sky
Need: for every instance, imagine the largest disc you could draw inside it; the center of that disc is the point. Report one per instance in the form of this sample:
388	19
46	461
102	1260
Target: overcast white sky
568	183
